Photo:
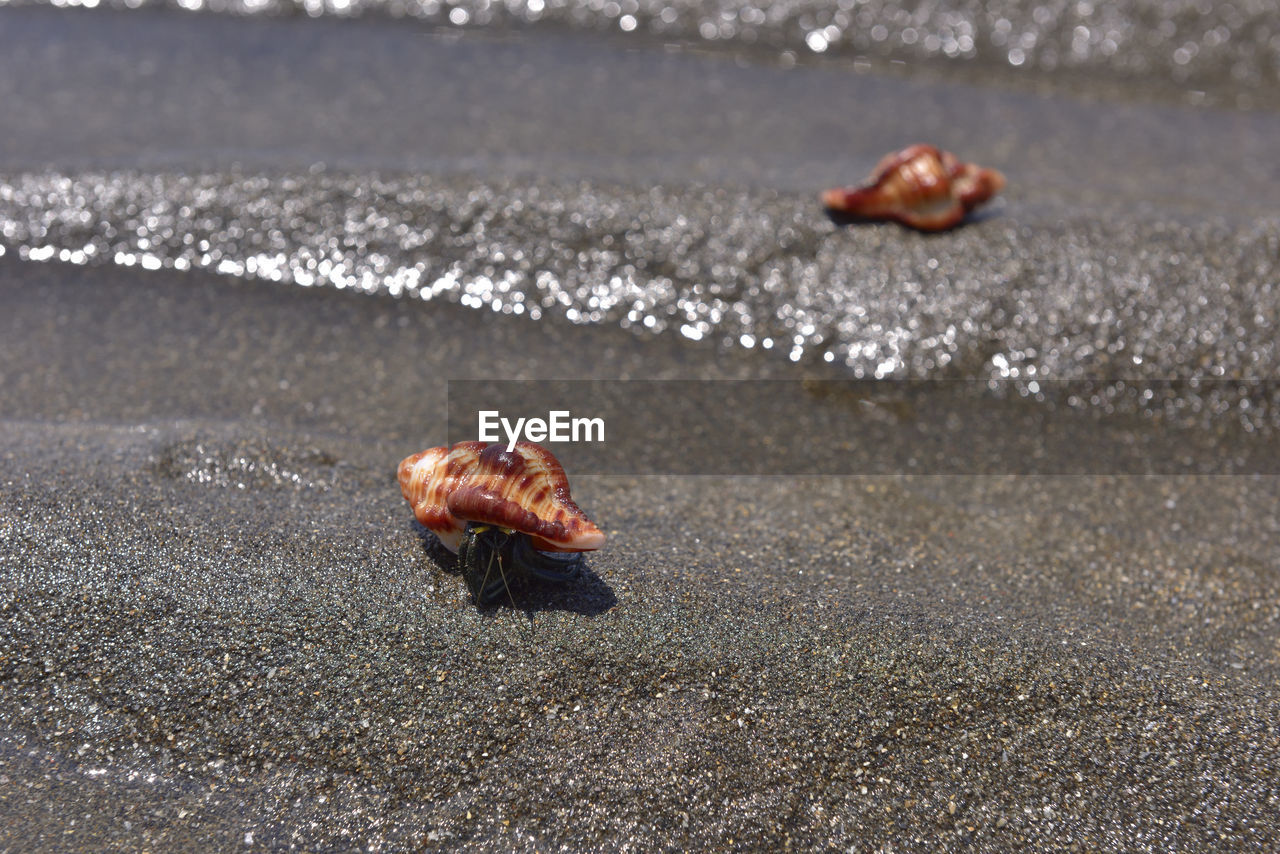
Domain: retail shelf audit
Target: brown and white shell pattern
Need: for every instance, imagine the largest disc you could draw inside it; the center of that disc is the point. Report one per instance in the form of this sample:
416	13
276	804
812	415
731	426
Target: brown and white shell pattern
524	489
426	479
922	187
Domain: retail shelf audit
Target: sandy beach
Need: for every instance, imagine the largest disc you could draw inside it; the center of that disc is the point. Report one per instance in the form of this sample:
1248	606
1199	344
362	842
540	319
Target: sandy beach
221	629
227	629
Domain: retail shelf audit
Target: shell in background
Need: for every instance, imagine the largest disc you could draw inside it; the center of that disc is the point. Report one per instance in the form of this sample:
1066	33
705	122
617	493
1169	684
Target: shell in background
921	187
524	489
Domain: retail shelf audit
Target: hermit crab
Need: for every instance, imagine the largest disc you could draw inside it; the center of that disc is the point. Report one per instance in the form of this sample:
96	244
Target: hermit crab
502	511
921	187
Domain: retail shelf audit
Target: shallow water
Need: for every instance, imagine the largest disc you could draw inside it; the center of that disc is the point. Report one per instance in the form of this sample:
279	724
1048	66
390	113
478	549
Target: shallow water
668	194
1194	51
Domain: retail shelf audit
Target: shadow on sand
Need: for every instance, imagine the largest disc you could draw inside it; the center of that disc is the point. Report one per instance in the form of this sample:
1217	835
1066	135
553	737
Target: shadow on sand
586	593
974	217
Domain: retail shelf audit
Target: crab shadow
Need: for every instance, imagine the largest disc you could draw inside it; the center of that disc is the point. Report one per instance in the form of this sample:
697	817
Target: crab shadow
842	219
586	593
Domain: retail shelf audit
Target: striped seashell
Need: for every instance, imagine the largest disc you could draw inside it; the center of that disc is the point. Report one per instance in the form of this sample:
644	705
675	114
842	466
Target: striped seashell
426	480
524	489
921	187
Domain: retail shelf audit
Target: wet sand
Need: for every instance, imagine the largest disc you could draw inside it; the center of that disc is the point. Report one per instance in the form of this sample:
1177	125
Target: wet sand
223	629
93	90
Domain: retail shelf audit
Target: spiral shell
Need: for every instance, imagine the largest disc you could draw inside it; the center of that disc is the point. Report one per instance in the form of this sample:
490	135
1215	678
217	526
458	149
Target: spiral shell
921	187
524	489
426	479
